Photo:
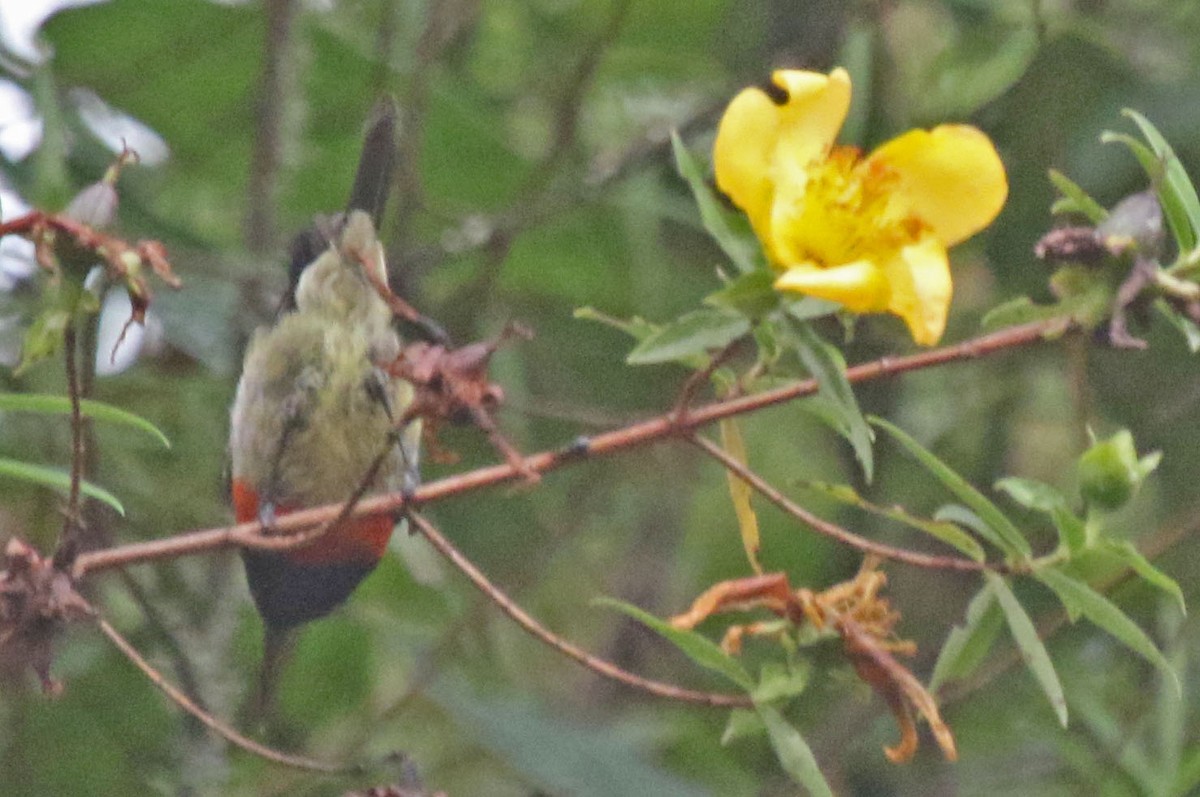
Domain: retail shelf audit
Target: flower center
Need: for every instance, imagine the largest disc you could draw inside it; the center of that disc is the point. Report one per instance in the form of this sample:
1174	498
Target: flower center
843	210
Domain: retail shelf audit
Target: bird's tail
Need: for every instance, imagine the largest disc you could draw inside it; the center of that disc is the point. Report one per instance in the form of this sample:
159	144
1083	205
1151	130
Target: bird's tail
262	710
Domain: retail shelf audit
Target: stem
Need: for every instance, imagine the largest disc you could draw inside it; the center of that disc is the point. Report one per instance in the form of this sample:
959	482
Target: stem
68	546
221	729
545	635
832	530
634	436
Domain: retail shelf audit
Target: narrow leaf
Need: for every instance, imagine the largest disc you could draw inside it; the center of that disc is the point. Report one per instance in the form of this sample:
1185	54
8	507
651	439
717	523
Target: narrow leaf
1033	651
742	723
960	515
689	338
1154	168
944	530
728	227
1075	199
1042	497
740	492
793	753
1105	614
751	294
61	405
967	644
806	308
1007	536
828	367
1132	558
699	649
1186	326
779	681
636	327
1180	203
56	479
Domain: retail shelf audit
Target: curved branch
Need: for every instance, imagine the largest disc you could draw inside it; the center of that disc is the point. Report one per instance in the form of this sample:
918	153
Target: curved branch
543	634
634	436
212	723
832	530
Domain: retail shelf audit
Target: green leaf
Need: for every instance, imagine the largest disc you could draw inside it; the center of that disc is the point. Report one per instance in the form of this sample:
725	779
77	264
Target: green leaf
1132	558
1020	310
1030	493
1075	199
793	753
728	227
1186	326
61	405
56	479
967	644
699	649
636	327
751	294
1176	192
779	681
1080	599
1039	496
1033	651
1087	295
742	723
43	338
807	308
944	530
689	338
1005	535
828	367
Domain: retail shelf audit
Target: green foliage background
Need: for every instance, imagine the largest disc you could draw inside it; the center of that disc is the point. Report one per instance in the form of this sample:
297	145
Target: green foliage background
539	179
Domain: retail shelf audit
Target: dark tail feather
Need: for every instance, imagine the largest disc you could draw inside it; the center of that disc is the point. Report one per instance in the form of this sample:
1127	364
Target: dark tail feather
372	184
377	163
278	645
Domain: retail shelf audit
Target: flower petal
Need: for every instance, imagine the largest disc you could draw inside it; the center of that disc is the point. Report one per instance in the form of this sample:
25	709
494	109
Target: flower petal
951	176
758	138
919	279
860	286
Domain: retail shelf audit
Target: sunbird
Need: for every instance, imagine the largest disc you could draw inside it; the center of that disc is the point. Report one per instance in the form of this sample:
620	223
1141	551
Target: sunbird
316	405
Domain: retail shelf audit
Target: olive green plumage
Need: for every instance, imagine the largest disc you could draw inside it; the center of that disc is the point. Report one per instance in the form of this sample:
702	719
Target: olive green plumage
313	407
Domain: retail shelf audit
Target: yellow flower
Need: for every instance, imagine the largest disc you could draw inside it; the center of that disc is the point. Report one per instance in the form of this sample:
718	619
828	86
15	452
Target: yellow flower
868	232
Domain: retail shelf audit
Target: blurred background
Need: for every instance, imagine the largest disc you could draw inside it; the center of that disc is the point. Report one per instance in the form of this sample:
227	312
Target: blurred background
536	178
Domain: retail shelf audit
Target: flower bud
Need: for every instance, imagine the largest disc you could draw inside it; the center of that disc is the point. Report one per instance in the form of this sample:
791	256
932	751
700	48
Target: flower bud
1110	472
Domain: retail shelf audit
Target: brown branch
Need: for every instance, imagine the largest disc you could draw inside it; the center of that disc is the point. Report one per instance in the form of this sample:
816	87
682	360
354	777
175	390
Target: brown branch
832	530
545	635
68	545
634	436
220	728
698	378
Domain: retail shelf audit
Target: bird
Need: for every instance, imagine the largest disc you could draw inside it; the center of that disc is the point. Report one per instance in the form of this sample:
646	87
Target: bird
314	408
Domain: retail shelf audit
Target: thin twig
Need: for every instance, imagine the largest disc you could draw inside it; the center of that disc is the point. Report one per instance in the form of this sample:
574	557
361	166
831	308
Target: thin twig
220	728
68	545
533	627
190	684
634	436
697	378
832	530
